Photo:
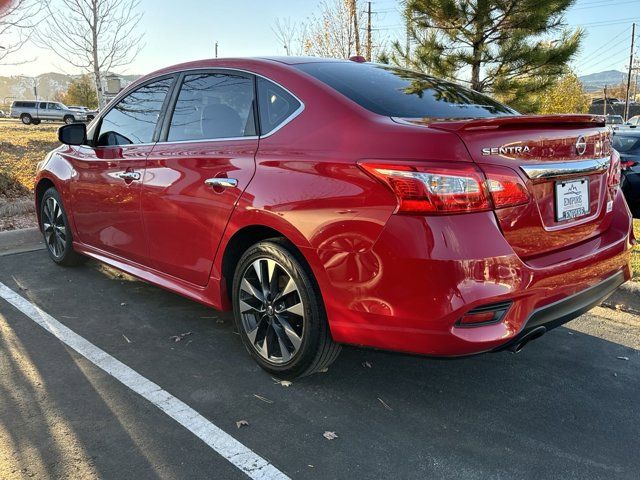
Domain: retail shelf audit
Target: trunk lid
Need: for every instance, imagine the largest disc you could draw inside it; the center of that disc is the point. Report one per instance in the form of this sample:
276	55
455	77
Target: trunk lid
563	161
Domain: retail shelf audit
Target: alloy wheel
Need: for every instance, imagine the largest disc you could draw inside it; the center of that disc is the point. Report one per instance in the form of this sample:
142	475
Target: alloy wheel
55	231
272	310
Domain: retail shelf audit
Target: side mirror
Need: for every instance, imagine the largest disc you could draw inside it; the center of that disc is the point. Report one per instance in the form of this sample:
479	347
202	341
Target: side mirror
73	134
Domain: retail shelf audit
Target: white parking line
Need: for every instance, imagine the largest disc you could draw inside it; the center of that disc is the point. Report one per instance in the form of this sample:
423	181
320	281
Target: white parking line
235	452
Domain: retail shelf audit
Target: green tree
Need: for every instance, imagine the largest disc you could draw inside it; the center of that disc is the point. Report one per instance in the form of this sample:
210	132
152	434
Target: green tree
565	96
81	92
514	49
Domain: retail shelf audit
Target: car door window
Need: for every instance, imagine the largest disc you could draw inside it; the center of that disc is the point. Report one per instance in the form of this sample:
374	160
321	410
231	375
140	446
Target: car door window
133	119
275	105
213	106
43	106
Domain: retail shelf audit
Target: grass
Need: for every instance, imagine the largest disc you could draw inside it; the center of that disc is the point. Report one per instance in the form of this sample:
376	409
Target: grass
21	148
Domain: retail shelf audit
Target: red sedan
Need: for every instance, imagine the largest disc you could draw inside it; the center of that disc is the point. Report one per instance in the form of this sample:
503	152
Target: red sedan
335	202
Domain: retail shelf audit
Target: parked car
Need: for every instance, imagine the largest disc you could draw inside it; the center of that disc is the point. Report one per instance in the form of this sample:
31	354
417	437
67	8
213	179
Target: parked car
87	111
331	202
627	143
614	121
29	111
633	121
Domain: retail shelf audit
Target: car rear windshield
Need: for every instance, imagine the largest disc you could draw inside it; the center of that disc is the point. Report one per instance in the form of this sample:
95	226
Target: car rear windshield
626	143
395	92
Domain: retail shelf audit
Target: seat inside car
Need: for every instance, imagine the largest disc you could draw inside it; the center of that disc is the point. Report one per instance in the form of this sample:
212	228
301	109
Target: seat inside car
221	121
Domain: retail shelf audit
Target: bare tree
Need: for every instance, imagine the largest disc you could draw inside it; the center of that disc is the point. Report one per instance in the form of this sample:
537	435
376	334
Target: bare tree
97	36
335	30
17	22
286	33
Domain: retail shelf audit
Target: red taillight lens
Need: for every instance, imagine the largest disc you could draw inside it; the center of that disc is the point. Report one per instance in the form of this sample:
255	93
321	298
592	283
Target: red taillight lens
434	188
627	164
506	187
614	170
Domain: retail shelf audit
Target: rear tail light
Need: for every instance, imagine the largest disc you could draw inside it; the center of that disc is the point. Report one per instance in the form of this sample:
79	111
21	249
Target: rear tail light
433	189
506	187
614	171
438	188
627	164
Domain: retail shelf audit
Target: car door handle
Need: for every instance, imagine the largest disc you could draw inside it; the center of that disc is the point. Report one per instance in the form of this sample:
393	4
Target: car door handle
129	175
221	182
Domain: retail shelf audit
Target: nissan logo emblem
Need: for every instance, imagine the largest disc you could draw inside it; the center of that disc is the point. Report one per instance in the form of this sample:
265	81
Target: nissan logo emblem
581	145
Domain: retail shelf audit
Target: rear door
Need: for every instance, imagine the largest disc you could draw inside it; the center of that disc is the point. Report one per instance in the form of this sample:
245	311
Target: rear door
564	162
197	172
108	175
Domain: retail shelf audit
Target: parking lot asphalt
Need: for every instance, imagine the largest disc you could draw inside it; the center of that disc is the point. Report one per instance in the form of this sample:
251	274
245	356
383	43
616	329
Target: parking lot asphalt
565	407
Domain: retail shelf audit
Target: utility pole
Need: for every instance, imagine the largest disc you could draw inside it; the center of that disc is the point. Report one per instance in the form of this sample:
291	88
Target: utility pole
605	101
626	103
216	49
368	31
353	8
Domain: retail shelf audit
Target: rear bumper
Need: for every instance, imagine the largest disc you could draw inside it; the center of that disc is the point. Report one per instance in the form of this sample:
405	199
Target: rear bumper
563	311
409	290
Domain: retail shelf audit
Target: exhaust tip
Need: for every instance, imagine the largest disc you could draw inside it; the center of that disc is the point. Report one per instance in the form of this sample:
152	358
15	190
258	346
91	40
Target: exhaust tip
529	336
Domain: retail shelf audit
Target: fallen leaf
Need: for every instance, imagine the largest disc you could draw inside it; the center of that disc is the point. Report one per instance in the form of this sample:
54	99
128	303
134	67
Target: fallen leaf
323	370
123	304
219	320
242	423
366	364
622	358
265	400
125	337
384	404
330	435
177	338
20	286
284	383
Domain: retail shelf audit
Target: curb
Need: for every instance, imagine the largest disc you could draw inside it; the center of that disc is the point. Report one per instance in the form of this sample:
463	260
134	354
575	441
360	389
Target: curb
625	298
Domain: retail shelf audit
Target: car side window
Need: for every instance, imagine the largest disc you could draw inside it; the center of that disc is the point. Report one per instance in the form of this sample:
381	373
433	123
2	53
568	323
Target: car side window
275	105
43	105
133	119
212	106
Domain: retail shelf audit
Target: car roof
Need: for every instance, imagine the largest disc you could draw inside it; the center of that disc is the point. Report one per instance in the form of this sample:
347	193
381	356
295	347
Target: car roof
239	63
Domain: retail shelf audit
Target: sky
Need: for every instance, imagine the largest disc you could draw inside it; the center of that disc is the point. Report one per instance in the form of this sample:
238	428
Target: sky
178	31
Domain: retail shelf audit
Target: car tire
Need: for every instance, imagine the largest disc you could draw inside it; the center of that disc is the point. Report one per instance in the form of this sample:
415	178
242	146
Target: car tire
69	119
54	225
26	119
282	322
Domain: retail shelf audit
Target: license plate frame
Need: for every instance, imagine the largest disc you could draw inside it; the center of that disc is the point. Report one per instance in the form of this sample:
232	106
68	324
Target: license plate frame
571	199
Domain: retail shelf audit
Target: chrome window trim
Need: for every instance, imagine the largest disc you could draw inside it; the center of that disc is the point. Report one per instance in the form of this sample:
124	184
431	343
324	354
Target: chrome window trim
201	140
564	169
284	122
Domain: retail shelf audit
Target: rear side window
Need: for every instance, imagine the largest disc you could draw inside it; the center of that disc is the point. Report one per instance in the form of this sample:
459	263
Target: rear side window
626	144
133	119
275	105
395	92
24	104
213	106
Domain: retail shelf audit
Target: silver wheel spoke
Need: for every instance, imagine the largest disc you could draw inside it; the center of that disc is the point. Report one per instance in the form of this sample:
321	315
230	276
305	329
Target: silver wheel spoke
246	286
293	337
296	309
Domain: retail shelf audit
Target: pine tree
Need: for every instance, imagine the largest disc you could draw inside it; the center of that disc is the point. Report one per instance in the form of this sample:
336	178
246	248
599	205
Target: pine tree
514	49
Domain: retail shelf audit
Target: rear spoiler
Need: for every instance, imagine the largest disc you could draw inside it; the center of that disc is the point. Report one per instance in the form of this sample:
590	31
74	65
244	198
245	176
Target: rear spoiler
519	121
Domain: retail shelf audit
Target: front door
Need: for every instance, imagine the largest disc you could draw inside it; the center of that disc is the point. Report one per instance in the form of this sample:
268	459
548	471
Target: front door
105	188
196	175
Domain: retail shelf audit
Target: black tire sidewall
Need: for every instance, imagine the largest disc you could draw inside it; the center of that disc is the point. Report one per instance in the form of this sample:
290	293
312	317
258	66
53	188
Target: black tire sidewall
68	247
314	310
68	117
26	119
